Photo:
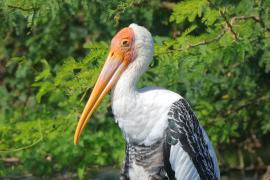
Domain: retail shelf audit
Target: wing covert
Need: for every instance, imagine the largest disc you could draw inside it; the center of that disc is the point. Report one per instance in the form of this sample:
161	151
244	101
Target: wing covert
184	128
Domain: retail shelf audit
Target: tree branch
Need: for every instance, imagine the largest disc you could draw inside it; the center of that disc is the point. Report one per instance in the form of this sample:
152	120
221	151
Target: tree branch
229	27
22	8
204	42
254	18
27	146
256	102
239	18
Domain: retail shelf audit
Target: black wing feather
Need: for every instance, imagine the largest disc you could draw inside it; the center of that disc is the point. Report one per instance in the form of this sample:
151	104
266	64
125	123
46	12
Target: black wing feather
184	127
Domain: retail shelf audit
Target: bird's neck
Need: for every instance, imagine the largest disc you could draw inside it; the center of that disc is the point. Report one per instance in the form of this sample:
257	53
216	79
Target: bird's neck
125	88
125	94
127	100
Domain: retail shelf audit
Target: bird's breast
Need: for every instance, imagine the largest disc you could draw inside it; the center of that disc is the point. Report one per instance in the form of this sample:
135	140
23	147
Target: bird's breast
141	123
144	162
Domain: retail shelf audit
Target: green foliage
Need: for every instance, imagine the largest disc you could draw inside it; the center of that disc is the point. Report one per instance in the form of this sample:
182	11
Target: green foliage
214	53
231	93
188	10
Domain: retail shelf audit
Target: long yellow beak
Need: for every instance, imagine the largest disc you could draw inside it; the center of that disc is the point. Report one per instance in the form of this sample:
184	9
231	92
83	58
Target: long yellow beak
112	69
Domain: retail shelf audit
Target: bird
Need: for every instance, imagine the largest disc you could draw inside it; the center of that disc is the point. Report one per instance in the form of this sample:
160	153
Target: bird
164	139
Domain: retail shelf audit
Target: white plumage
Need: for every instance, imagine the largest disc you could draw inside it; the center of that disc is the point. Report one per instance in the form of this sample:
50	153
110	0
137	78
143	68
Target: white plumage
182	165
142	114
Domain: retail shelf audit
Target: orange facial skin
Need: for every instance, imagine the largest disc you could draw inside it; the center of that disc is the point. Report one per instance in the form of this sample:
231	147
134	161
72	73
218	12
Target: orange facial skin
122	45
120	56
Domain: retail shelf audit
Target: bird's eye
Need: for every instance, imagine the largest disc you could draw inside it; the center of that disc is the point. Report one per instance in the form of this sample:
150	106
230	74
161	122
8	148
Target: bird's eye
125	43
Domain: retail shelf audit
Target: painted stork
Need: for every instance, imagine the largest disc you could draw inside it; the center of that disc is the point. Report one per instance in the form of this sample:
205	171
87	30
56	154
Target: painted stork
163	136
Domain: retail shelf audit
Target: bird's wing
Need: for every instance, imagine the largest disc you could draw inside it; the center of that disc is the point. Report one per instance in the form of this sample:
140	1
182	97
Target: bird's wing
188	153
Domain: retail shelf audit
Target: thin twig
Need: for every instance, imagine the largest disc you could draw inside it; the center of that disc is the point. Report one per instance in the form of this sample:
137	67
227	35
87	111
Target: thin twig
204	42
22	148
228	28
84	94
22	8
28	146
229	25
250	103
239	18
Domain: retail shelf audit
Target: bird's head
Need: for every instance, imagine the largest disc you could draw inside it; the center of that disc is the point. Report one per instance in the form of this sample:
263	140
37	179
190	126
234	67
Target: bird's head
131	50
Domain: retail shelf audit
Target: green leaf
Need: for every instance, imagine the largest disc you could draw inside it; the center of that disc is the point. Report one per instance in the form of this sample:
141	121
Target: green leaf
45	73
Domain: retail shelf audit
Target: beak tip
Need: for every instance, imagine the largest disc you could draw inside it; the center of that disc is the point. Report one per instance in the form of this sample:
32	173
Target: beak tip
76	139
77	134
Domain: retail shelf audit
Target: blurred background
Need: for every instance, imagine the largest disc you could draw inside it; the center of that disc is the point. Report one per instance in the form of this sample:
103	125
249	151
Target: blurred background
214	53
